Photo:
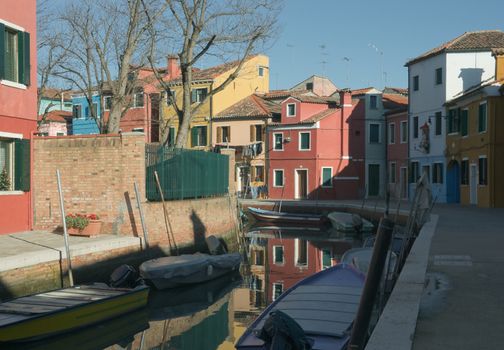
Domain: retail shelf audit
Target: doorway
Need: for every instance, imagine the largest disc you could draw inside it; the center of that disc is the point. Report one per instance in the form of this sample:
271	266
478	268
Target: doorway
301	184
373	180
452	182
473	184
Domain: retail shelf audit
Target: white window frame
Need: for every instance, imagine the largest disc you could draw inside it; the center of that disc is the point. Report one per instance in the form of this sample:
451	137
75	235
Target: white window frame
274	288
260	71
486	121
392	174
322	176
105	98
404	131
287	111
135	99
274	178
275	254
281	143
198	96
82	116
309	141
379	133
391	134
10	160
296	253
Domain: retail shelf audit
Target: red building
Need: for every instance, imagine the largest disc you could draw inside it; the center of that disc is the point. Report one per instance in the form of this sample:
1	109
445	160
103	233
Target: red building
18	112
310	152
397	152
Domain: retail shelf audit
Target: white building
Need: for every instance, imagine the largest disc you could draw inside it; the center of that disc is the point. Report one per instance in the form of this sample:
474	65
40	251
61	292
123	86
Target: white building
435	77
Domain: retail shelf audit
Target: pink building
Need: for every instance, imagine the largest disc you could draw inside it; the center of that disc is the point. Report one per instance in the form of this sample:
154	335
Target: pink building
54	123
310	154
397	152
18	111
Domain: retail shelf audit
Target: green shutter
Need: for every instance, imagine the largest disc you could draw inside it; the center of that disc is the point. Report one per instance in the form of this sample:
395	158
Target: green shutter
171	136
2	51
326	177
21	54
204	135
22	165
193	96
463	122
194	136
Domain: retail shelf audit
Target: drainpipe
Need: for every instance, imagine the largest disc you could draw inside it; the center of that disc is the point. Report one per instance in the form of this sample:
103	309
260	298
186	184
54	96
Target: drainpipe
210	123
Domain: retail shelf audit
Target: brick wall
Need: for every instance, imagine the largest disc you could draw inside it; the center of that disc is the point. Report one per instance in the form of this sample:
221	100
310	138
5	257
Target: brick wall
98	173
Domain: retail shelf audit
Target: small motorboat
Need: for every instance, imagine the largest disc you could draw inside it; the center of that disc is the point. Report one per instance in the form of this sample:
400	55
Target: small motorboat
360	258
348	222
176	271
324	305
46	314
275	216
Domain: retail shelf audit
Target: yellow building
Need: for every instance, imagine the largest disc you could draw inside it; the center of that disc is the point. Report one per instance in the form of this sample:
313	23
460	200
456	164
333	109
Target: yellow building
252	78
474	143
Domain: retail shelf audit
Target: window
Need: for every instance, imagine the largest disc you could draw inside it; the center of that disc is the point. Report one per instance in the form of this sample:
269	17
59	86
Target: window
138	99
414	172
77	111
439	76
464	172
391	133
198	95
437	173
278	254
309	86
416	83
453	121
392	172
482	169
278	178
107	103
14	164
277	290
415	127
373	102
259	258
14	55
256	133
374	133
171	136
404	131
291	110
261	71
482	117
463	122
223	134
258	173
439	123
60	134
327	177
301	252
304	141
198	136
278	142
95	110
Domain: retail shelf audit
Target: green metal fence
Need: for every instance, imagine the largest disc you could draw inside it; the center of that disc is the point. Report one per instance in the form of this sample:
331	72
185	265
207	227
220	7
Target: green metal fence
185	173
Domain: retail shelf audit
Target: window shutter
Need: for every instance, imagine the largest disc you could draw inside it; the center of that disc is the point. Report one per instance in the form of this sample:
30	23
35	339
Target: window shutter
24	58
193	96
194	136
252	129
204	135
22	165
229	134
2	50
219	134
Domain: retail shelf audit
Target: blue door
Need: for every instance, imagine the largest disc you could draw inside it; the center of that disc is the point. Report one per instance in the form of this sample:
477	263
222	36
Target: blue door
452	182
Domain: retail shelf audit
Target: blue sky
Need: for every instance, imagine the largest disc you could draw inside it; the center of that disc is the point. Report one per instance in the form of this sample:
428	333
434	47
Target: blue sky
314	31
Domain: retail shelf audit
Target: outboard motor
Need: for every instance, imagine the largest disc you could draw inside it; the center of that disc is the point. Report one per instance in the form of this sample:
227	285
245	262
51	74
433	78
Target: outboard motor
216	246
280	332
125	276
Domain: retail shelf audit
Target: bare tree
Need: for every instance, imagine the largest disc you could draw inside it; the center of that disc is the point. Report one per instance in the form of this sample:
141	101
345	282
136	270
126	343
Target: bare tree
108	37
227	29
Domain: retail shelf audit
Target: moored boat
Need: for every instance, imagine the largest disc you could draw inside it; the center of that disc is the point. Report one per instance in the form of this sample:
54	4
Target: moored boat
275	216
176	271
348	222
324	305
63	310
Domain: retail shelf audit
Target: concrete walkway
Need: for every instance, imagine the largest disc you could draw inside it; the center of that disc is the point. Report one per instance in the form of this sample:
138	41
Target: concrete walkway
463	302
34	247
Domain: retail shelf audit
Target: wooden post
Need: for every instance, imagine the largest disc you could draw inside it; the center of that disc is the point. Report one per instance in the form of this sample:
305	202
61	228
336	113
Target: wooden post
65	233
167	224
142	219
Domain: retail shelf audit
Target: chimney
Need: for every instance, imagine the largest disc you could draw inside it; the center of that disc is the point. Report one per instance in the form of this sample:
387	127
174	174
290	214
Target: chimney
499	64
173	66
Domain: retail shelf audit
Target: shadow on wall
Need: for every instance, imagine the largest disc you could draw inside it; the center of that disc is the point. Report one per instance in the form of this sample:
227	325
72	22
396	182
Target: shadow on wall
131	213
470	77
199	230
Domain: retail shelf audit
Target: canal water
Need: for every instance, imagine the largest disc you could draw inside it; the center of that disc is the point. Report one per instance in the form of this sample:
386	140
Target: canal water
215	314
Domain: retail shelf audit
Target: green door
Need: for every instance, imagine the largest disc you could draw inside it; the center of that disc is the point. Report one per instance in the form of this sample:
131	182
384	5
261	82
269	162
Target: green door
373	179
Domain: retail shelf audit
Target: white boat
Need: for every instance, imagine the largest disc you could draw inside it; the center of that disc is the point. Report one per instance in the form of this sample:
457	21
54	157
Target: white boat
176	271
348	222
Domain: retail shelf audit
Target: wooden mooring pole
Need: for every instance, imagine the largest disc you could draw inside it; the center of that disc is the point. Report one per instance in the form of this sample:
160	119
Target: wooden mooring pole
371	286
65	233
142	219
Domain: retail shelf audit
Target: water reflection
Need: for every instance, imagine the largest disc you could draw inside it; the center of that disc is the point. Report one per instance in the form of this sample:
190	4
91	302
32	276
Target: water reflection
215	314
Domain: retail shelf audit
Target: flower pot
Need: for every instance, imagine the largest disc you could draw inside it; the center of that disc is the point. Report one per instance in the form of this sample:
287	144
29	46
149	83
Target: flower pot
92	229
73	231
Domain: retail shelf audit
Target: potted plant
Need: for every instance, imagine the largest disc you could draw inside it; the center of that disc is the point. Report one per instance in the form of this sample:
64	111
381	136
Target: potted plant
83	225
